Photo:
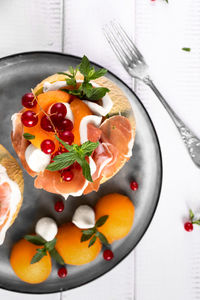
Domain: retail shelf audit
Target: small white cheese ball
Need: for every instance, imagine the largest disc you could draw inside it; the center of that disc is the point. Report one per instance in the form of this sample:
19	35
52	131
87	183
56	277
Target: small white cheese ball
46	228
84	217
36	159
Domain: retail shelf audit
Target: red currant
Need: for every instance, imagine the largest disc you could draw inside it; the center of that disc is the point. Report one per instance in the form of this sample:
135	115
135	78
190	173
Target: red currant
46	124
108	254
47	146
29	118
188	226
67	136
62	272
76	166
66	125
55	154
134	185
67	175
59	109
59	206
28	100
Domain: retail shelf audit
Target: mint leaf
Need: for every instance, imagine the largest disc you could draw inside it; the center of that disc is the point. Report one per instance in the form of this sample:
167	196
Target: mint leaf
35	239
186	49
97	74
68	147
62	161
196	222
84	66
50	245
92	241
102	238
28	136
39	255
86	237
101	221
88	147
57	257
88	231
85	169
96	93
191	214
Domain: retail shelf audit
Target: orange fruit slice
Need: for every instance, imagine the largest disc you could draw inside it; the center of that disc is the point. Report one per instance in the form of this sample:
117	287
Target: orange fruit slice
70	247
121	214
20	260
79	110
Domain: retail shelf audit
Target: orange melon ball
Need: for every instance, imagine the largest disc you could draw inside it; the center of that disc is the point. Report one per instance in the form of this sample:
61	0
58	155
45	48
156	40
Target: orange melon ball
70	247
79	110
20	260
121	214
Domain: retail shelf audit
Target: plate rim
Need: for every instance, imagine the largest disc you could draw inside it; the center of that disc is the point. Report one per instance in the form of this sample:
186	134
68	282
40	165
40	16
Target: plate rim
15	55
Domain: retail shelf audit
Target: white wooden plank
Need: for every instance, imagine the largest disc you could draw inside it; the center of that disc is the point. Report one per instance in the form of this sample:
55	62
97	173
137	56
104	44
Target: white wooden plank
30	25
6	295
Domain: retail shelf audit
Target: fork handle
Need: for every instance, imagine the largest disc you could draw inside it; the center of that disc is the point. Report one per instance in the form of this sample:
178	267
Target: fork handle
187	135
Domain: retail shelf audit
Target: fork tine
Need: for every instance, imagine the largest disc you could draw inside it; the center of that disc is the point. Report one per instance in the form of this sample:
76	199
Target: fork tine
126	38
114	47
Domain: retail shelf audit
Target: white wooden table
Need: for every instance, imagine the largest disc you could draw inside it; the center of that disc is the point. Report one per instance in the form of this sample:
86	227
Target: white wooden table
166	263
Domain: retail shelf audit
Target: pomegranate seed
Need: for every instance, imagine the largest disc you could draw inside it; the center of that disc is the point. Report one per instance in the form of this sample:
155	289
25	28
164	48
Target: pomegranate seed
134	185
28	100
108	254
59	109
47	146
188	226
67	136
59	206
67	175
62	272
46	124
29	118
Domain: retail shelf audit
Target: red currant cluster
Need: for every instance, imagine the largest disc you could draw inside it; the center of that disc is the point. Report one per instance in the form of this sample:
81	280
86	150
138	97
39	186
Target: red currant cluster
55	120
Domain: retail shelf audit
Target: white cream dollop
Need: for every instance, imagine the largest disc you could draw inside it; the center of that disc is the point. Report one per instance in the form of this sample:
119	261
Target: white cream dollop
84	217
46	228
14	200
96	120
36	159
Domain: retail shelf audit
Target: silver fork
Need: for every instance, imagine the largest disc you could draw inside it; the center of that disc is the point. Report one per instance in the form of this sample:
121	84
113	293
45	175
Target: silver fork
134	63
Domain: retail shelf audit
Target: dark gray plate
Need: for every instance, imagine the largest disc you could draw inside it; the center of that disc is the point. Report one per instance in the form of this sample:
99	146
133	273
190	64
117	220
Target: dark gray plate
18	74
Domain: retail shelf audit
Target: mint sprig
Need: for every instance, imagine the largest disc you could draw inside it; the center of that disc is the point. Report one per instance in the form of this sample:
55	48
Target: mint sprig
93	233
75	154
85	90
47	247
193	220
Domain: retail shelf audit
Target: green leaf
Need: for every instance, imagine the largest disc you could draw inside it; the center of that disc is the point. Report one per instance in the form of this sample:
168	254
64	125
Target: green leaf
166	1
63	73
89	231
196	222
97	74
101	221
92	241
84	66
35	239
71	81
57	257
85	169
186	49
102	238
191	214
50	245
97	93
86	237
38	256
62	161
28	136
68	147
88	147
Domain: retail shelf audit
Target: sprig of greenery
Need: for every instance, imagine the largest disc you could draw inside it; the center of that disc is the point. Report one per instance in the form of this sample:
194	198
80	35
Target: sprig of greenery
85	89
93	233
47	247
193	220
75	153
186	49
